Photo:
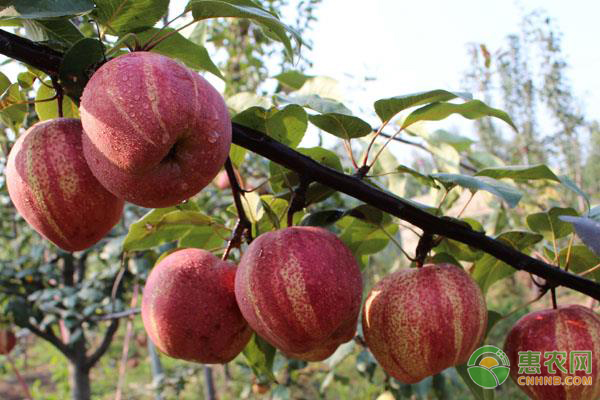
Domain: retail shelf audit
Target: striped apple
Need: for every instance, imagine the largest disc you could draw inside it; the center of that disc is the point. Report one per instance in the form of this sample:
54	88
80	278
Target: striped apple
51	186
565	329
156	132
300	289
189	308
420	321
8	340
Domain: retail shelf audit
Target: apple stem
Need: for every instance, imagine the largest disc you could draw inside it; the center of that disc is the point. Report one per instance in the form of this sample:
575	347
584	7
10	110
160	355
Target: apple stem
426	243
553	294
243	225
19	377
59	95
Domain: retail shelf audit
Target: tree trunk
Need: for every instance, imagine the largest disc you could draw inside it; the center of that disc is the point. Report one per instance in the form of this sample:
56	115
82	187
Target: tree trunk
79	376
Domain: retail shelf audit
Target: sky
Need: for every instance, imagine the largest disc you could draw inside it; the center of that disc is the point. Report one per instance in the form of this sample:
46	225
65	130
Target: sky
421	45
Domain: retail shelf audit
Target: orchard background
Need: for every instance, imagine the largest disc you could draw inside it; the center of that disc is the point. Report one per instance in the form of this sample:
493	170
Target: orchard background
513	181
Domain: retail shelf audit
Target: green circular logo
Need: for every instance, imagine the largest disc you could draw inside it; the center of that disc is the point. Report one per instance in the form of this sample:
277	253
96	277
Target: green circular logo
488	367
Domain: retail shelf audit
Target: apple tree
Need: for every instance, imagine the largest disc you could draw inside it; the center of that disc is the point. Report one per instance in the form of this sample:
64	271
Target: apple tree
109	107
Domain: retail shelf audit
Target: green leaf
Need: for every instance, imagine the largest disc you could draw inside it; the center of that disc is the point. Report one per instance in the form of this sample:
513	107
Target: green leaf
237	154
520	172
322	218
123	16
203	9
423	179
49	109
286	126
508	193
569	184
478	392
77	65
12	107
260	355
25	79
293	79
473	109
489	269
164	225
594	213
341	125
40	9
178	47
460	143
386	109
549	224
316	103
493	318
203	237
275	214
62	30
370	215
581	259
364	238
244	100
282	179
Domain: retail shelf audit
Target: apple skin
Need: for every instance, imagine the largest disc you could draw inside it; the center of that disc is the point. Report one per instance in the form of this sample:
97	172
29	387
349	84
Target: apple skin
567	328
51	186
419	321
189	308
300	289
156	132
8	341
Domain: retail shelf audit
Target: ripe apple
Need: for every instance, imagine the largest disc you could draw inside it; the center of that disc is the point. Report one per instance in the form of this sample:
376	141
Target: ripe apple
156	132
300	289
420	321
52	187
566	329
221	181
189	308
8	340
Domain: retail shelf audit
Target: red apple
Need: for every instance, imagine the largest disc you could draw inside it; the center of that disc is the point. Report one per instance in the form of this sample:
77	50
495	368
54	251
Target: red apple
156	132
419	321
300	289
8	340
221	181
566	329
52	187
189	308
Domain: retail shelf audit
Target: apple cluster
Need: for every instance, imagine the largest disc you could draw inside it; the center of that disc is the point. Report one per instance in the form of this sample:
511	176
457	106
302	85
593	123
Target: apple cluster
152	132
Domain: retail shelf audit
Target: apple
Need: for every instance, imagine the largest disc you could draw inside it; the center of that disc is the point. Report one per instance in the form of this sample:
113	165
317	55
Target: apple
419	321
156	132
221	181
8	340
565	329
189	308
51	186
300	289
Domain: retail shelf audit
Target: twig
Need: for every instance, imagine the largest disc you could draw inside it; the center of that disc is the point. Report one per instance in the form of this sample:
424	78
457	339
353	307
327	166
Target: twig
298	200
106	341
19	377
117	315
243	225
125	353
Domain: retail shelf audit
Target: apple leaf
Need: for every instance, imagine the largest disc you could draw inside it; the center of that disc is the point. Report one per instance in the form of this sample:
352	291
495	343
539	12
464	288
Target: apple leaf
341	125
61	30
488	270
49	109
572	186
204	9
25	79
178	47
423	179
260	355
550	224
506	192
77	65
581	259
315	102
520	172
473	109
292	79
39	9
123	16
287	125
587	229
386	109
364	238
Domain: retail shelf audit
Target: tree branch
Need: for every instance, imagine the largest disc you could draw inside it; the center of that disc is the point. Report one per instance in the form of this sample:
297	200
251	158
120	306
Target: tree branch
117	315
50	337
106	341
45	59
37	55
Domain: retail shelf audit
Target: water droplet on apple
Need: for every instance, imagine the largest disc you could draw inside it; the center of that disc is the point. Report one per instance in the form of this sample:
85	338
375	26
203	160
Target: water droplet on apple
212	137
136	97
124	78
